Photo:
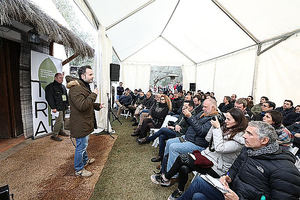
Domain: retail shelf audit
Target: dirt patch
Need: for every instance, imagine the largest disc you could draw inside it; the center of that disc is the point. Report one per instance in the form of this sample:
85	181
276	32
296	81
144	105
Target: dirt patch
44	169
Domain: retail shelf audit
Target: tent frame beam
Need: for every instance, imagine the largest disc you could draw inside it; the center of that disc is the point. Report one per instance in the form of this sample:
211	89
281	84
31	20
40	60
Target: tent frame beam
178	50
130	14
239	24
170	18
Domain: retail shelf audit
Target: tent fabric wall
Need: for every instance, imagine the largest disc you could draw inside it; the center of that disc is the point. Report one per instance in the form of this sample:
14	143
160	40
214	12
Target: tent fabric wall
135	76
278	72
188	76
205	76
234	74
102	73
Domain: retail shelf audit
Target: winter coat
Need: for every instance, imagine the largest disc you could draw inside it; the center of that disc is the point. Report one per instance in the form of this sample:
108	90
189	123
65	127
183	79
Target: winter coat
125	100
82	120
148	103
158	112
199	126
54	92
265	172
176	104
225	150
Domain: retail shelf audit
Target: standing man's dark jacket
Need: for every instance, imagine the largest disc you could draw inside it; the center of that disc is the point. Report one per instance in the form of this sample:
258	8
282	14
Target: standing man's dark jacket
269	171
82	116
120	90
54	96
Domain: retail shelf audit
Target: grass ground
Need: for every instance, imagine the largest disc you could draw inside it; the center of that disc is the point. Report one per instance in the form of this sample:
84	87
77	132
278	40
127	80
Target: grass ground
126	174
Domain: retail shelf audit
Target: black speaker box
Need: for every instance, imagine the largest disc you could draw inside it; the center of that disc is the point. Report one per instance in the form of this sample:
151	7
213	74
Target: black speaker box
193	87
114	72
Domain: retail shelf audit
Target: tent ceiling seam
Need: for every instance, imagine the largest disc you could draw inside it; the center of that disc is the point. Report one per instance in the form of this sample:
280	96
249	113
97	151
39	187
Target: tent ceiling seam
178	50
95	19
139	49
170	18
130	14
239	24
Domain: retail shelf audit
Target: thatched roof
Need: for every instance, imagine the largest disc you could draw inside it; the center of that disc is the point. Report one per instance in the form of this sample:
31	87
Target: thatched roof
27	13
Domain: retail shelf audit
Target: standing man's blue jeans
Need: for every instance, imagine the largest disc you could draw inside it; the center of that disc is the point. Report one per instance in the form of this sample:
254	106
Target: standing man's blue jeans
81	156
200	189
164	134
174	148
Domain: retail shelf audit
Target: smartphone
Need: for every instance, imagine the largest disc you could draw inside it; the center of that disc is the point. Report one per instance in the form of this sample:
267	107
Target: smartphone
181	139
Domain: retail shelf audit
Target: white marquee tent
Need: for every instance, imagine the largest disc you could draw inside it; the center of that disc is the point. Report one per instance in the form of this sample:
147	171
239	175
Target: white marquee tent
247	47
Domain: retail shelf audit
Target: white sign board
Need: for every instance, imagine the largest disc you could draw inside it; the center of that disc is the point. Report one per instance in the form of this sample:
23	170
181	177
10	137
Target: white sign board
43	69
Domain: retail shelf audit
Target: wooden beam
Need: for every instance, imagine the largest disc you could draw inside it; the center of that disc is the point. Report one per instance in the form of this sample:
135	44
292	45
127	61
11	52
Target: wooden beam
69	59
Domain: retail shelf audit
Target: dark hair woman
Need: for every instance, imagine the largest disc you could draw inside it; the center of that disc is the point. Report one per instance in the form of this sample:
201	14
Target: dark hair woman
226	142
274	118
157	115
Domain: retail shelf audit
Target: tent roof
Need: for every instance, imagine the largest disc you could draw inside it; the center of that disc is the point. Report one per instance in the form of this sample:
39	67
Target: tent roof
198	30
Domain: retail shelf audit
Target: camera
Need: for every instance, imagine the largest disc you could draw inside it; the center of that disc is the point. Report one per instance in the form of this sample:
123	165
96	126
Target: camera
221	118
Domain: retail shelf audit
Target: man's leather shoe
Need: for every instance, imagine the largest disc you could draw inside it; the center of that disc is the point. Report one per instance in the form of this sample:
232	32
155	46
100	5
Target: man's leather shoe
135	134
63	133
156	159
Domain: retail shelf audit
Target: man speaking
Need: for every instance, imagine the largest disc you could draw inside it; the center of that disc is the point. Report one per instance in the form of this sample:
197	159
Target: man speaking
82	116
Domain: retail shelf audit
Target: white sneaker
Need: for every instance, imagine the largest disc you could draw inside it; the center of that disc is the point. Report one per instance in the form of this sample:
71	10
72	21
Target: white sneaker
90	161
83	173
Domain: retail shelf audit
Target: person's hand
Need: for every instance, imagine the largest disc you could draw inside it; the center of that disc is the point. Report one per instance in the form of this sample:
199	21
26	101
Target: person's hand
297	135
54	110
215	124
187	113
225	180
102	105
96	91
177	128
231	195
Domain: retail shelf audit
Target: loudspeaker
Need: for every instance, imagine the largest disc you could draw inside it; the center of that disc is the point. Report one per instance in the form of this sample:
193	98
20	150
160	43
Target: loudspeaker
193	87
114	72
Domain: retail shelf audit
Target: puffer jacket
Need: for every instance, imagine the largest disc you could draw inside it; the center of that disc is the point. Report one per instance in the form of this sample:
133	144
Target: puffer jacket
225	150
272	174
158	112
199	126
82	107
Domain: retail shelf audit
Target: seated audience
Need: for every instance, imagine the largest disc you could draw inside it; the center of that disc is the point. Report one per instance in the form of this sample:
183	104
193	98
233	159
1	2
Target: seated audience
268	105
274	118
241	104
156	117
142	110
178	129
286	108
261	171
292	117
226	105
176	104
225	141
124	101
197	104
257	108
194	138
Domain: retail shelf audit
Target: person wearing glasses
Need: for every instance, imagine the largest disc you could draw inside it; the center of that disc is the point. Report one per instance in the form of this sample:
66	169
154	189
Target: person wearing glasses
266	106
157	115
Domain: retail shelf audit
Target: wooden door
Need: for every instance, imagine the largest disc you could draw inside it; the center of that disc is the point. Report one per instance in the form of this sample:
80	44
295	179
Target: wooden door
10	107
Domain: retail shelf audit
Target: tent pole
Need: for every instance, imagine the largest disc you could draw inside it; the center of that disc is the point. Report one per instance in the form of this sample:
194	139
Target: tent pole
139	49
241	26
130	14
254	85
170	18
178	50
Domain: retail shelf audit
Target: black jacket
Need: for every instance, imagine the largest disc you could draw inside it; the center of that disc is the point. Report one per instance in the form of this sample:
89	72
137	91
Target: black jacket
176	104
158	113
273	175
148	103
120	90
54	92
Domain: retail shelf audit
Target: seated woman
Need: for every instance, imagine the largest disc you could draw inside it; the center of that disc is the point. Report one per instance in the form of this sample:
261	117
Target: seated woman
226	143
285	137
156	117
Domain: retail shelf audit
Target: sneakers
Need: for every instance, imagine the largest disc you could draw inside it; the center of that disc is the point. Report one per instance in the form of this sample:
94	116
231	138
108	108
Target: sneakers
156	159
175	195
160	180
89	161
83	173
55	138
142	140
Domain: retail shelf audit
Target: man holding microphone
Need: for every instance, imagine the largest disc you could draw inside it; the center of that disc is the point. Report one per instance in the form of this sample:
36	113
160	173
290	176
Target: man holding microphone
82	116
